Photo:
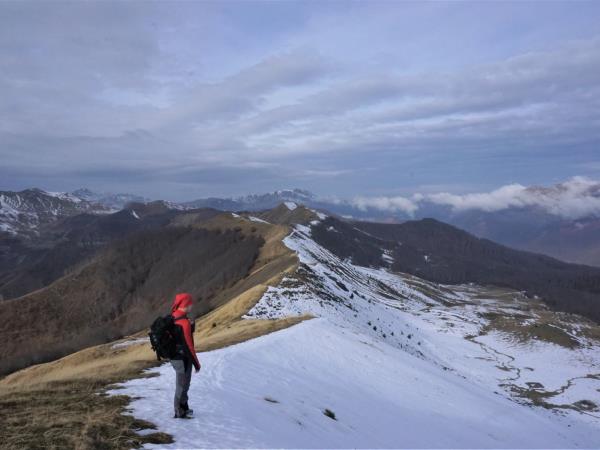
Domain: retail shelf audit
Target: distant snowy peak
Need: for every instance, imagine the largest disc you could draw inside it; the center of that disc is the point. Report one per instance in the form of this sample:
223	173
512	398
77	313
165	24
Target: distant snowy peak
254	202
298	194
112	201
140	209
23	212
273	198
575	187
64	196
37	200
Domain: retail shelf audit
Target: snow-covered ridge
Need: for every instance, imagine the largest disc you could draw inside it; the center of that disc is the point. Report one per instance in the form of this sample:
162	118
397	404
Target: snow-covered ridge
446	325
347	295
390	361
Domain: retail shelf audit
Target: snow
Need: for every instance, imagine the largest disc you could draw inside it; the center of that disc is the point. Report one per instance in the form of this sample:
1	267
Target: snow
578	391
381	396
7	228
257	219
16	214
235	215
64	196
21	214
8	205
359	298
387	256
364	232
319	214
134	214
548	364
291	205
398	367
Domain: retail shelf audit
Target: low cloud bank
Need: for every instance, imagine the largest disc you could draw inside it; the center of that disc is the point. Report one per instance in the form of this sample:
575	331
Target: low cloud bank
575	198
391	204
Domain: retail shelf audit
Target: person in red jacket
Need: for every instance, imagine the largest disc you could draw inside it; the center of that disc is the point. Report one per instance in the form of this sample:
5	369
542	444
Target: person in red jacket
186	354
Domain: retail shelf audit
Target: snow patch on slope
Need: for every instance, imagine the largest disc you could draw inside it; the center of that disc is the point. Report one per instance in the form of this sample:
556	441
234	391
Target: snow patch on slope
65	196
387	257
319	214
257	219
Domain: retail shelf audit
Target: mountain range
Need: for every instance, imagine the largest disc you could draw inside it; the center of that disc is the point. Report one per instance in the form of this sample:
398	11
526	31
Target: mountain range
527	227
140	254
313	331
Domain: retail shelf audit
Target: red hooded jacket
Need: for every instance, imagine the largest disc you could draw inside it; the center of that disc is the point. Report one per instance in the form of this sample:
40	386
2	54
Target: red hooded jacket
181	319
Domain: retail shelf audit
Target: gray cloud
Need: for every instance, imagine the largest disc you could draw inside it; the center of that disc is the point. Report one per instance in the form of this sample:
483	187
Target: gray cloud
312	96
539	95
391	204
575	198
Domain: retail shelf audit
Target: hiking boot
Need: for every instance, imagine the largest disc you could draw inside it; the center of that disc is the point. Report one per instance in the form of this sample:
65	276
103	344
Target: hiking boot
181	413
186	409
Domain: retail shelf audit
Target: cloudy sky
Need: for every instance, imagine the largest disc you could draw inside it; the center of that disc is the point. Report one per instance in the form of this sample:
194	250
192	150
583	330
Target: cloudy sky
192	99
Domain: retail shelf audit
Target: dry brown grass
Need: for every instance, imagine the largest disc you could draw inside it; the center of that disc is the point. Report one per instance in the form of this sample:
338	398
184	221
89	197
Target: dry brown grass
121	290
61	404
70	415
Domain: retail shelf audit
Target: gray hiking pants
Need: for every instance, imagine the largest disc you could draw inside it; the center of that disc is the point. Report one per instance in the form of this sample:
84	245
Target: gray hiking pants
183	376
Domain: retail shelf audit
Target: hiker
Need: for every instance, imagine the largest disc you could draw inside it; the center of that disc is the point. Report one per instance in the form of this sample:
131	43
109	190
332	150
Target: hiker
185	354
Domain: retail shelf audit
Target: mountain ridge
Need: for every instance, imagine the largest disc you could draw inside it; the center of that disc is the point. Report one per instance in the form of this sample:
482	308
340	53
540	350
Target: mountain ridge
526	226
491	350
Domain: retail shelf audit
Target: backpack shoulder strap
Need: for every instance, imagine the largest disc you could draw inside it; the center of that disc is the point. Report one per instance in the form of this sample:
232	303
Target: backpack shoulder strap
180	317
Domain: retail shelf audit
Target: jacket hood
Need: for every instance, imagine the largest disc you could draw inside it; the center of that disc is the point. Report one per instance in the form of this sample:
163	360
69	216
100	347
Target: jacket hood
181	300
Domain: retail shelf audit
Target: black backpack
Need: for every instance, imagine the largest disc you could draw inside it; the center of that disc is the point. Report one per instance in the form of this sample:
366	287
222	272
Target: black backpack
164	337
